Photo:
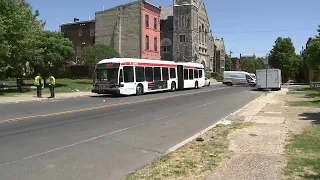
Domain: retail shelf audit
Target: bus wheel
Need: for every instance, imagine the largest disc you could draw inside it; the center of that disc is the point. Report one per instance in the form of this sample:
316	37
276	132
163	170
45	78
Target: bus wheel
197	85
173	86
139	90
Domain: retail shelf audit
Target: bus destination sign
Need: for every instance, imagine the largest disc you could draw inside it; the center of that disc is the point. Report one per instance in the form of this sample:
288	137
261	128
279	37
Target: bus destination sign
108	65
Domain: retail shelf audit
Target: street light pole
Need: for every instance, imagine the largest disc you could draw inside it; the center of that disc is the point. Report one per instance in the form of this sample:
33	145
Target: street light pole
230	60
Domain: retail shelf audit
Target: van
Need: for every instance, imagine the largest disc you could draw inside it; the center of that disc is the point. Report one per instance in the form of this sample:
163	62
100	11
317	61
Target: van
231	78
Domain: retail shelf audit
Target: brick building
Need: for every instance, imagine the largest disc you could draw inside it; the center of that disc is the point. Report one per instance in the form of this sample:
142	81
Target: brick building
81	33
132	29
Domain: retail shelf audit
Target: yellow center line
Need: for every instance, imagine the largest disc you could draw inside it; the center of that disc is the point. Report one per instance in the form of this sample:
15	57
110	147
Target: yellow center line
99	107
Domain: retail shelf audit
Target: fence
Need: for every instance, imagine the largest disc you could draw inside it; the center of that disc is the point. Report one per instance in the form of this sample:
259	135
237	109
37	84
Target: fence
315	85
18	85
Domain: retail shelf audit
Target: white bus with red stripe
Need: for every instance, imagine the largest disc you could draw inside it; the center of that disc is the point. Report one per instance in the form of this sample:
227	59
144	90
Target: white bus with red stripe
128	76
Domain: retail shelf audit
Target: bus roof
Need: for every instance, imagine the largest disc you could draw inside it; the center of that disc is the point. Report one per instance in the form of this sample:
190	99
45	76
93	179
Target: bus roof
134	60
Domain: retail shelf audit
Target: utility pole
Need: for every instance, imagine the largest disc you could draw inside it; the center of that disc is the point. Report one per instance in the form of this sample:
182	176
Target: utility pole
230	60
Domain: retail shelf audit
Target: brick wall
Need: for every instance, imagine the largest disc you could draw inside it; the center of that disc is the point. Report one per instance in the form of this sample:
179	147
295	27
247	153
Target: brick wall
81	34
108	31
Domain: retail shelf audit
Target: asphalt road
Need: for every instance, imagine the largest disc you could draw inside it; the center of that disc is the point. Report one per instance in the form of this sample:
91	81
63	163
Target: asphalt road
103	137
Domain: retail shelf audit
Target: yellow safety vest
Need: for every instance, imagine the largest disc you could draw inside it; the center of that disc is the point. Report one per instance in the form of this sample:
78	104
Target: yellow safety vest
37	80
52	80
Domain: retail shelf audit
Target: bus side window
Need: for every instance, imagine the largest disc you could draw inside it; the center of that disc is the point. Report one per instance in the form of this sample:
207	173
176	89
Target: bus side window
121	76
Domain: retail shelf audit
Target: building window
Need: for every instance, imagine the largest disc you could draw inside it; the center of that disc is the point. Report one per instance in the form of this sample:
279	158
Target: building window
155	44
65	34
155	25
147	42
184	20
182	38
92	32
166	48
80	32
147	21
78	50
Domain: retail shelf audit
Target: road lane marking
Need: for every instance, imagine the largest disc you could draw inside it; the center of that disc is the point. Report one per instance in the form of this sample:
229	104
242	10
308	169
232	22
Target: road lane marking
101	107
114	132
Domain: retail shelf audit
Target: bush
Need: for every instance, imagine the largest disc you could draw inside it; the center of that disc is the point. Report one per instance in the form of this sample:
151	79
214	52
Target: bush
214	75
217	76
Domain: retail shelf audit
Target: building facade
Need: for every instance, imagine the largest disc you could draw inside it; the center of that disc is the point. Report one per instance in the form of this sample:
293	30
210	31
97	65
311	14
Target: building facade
186	35
81	33
132	29
166	25
220	55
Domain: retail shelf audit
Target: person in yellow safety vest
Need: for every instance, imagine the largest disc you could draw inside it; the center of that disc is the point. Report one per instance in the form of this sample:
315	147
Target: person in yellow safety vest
38	83
52	83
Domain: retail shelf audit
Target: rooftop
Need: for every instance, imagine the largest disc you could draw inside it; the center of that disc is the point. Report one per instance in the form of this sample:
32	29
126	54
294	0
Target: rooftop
79	22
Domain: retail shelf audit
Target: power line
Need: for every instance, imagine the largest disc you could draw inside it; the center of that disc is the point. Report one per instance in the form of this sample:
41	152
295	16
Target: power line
264	31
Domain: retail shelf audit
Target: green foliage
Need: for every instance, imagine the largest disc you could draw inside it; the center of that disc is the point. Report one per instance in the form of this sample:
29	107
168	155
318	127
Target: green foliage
312	54
95	53
53	52
283	57
215	75
228	65
19	31
24	43
251	65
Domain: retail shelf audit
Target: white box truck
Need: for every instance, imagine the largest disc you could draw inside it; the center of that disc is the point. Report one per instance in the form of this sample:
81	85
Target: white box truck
269	79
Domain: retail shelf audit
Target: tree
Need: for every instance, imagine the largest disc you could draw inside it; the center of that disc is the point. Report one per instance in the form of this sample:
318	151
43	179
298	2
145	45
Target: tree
312	55
93	54
251	65
283	57
228	65
19	31
54	51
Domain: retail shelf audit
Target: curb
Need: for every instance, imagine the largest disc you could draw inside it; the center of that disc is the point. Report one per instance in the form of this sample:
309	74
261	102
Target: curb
179	145
42	99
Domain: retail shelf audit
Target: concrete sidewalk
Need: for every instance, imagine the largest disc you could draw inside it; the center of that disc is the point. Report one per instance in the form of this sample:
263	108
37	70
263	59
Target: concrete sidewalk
257	152
29	98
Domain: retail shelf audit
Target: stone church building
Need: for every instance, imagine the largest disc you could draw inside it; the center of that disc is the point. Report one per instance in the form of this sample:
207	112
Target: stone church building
186	35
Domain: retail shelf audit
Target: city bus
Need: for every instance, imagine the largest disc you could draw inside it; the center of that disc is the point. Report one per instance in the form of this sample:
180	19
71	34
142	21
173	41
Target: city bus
129	76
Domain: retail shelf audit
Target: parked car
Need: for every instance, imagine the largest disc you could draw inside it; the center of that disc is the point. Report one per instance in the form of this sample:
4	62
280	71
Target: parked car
206	81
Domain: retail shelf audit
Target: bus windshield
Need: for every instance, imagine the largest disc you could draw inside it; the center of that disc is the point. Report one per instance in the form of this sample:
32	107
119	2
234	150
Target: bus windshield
109	75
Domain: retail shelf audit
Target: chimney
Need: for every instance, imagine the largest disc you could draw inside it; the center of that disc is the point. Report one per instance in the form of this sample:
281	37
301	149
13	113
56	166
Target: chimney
75	19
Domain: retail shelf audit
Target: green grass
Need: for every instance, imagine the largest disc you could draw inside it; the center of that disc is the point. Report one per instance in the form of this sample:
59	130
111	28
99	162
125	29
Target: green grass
303	155
62	86
312	94
192	161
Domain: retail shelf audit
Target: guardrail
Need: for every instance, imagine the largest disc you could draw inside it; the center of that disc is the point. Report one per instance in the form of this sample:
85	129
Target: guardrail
315	85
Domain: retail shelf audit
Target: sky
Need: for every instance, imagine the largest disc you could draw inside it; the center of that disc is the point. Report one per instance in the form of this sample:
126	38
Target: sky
247	26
